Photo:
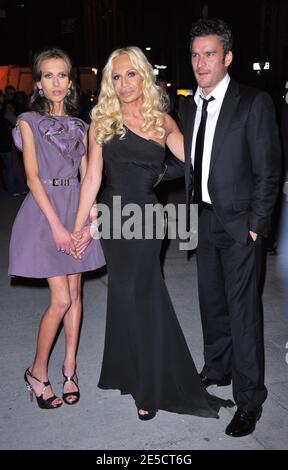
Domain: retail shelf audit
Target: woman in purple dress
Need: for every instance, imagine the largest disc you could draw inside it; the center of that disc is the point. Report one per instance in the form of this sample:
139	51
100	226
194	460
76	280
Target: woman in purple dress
53	142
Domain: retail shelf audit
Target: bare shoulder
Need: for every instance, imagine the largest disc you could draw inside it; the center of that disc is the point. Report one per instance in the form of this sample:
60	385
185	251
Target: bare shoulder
92	129
174	138
25	130
169	123
24	125
93	135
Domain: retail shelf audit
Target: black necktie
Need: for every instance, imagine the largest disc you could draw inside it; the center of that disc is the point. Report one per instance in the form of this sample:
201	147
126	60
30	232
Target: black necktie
199	146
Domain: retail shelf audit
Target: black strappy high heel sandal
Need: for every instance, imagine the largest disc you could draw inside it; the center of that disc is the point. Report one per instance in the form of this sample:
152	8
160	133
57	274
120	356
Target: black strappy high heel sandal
44	403
66	395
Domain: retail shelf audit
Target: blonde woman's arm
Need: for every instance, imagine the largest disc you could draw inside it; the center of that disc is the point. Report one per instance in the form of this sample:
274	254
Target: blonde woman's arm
91	182
174	138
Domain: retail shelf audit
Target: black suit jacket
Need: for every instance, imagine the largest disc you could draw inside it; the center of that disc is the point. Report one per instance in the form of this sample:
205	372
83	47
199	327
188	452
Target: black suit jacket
284	135
245	162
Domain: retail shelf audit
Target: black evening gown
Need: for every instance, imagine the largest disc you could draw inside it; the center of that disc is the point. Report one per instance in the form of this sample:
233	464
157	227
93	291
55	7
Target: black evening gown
145	351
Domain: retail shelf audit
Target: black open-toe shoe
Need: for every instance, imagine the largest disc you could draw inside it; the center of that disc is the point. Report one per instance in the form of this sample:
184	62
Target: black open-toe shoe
67	395
147	416
44	403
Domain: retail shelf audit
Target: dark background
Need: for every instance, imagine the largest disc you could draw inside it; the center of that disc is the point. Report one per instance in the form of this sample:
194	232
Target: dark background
90	29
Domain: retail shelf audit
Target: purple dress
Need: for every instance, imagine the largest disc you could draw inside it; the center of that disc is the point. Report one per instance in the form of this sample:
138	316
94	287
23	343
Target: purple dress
59	149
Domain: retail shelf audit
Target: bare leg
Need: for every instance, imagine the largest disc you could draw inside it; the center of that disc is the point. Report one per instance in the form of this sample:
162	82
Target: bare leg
72	321
60	302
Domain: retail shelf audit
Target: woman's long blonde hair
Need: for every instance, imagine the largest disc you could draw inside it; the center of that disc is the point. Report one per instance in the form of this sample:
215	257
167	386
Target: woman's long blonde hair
107	116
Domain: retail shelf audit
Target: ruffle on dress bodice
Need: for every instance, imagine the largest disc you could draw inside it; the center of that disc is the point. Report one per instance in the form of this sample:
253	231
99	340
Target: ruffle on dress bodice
64	133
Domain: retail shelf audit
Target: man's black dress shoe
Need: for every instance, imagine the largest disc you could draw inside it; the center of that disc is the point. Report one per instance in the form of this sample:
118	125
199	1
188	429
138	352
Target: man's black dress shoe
220	383
147	416
243	423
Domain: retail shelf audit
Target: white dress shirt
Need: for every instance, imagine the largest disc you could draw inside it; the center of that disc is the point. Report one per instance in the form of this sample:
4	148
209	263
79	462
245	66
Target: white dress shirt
213	111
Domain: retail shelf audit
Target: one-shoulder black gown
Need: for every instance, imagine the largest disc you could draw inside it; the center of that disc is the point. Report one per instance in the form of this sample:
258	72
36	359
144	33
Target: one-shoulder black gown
145	351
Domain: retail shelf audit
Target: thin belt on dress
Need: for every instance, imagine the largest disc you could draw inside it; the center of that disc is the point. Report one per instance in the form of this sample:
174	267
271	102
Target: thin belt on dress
61	181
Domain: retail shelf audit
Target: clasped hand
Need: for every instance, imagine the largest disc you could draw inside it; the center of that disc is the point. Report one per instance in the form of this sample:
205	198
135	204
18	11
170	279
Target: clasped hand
63	239
81	239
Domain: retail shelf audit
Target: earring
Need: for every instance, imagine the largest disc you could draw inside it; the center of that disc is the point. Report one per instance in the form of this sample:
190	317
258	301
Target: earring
41	92
69	92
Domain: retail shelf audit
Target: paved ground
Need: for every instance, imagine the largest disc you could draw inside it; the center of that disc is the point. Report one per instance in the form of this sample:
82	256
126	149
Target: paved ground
105	419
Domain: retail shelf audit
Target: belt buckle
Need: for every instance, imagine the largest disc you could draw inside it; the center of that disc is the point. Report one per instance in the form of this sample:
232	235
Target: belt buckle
60	182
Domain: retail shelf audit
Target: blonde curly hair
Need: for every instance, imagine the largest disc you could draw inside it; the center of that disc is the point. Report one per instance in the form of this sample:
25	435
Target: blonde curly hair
107	116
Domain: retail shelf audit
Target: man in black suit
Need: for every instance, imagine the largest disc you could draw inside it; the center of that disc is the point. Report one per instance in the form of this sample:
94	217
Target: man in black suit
232	168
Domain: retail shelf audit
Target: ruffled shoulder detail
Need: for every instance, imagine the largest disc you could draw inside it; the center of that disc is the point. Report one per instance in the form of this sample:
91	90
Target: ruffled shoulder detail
65	134
27	117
